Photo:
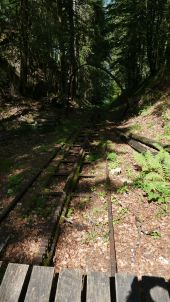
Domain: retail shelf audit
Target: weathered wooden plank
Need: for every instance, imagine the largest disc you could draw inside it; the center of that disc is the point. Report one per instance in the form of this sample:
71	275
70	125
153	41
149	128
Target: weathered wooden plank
40	284
155	289
127	288
98	287
12	282
69	286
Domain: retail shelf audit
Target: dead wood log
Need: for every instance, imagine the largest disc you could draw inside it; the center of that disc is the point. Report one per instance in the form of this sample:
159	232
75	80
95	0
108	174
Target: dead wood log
136	145
149	142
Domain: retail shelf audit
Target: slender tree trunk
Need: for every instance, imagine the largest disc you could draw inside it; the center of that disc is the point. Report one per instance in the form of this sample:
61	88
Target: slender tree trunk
63	59
24	45
72	47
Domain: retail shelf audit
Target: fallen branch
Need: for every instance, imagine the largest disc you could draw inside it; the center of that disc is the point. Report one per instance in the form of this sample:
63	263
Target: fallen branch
151	143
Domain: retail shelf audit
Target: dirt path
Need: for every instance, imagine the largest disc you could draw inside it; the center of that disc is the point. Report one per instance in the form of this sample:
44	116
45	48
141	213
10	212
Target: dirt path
141	228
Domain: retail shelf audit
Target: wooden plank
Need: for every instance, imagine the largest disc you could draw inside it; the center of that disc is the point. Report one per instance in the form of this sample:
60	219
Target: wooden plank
98	287
12	282
127	288
69	286
155	289
40	284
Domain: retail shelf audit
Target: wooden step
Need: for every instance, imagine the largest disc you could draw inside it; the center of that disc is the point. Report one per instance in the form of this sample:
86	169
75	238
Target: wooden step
40	285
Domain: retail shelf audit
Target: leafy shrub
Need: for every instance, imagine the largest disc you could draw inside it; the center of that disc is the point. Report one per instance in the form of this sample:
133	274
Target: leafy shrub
112	160
112	156
14	182
155	176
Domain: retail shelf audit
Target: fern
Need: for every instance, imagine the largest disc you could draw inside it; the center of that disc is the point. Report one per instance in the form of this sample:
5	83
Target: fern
155	176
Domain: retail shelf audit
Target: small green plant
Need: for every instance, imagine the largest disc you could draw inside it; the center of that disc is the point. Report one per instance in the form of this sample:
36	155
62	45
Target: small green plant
146	106
123	189
130	173
91	237
112	160
39	206
155	176
83	202
92	171
164	210
121	214
106	237
151	125
167	131
70	213
112	156
14	182
114	200
92	157
102	194
155	234
93	189
165	118
96	211
135	127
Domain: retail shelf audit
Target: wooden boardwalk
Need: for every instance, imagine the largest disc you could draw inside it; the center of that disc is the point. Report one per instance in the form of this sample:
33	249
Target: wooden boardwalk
39	284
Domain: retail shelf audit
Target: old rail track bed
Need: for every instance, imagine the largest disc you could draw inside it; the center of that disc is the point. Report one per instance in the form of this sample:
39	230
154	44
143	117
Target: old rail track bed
47	202
67	215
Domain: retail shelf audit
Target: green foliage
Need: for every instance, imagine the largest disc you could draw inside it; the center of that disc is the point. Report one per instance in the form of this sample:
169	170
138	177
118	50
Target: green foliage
164	210
93	189
155	176
123	189
155	234
167	131
121	214
102	194
14	182
135	127
96	211
112	156
70	212
91	237
42	148
92	157
112	160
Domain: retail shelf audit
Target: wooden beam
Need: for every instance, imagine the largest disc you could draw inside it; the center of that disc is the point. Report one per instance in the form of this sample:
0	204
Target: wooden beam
69	286
40	284
12	282
127	288
98	287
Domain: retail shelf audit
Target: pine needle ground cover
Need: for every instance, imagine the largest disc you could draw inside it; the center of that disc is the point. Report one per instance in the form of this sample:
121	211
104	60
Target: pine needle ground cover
141	194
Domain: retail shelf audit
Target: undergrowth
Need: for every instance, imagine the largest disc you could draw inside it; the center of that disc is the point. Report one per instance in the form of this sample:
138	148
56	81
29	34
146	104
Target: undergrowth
154	178
113	161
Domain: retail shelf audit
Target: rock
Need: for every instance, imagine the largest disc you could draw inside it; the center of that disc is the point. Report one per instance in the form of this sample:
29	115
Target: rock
116	171
127	181
137	168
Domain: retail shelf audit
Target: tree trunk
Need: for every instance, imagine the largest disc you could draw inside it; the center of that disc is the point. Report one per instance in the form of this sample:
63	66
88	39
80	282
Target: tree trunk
24	45
72	48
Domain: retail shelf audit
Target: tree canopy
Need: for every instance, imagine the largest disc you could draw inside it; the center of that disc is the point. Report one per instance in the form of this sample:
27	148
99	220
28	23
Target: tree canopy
120	43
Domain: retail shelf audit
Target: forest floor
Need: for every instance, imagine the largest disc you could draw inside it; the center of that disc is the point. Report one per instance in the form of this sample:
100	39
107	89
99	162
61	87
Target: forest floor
141	227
